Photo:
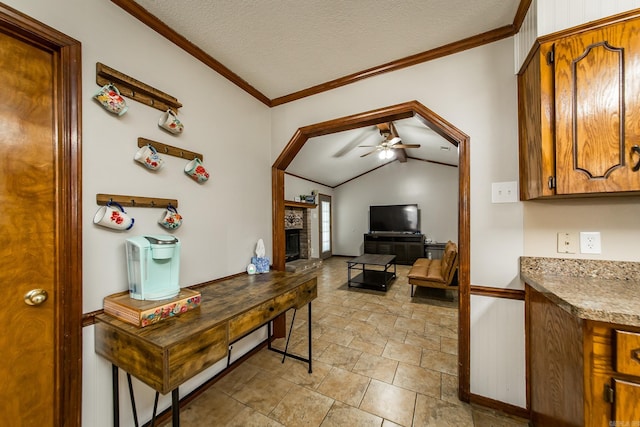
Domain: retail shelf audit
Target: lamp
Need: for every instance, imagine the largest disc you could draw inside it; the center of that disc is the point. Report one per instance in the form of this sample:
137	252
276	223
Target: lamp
386	153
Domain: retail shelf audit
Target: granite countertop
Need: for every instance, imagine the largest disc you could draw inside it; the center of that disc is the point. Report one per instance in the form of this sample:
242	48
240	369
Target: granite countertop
604	291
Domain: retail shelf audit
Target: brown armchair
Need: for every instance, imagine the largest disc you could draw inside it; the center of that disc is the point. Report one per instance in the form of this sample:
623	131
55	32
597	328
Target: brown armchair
435	273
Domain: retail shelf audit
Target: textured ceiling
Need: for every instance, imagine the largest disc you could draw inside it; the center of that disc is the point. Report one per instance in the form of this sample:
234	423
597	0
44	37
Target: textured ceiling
283	46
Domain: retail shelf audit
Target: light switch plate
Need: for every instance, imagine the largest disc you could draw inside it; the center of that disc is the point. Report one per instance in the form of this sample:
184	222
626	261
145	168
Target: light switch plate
504	192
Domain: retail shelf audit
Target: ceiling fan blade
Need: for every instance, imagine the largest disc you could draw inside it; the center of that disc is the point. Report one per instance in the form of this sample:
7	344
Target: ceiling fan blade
394	141
367	146
370	152
405	146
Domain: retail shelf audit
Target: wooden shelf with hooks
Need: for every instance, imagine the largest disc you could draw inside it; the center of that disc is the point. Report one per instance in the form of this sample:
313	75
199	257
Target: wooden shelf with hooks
169	149
135	201
290	204
135	89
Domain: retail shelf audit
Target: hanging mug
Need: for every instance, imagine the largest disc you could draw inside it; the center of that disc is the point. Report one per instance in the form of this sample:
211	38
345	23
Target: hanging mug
170	122
109	97
170	219
148	156
196	171
112	215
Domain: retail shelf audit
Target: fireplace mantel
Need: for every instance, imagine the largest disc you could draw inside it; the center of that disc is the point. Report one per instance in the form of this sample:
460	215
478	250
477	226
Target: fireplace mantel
302	205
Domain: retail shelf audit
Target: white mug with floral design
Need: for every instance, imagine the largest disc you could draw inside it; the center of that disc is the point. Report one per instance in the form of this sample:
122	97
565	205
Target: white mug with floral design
170	219
113	216
148	156
196	170
170	122
109	97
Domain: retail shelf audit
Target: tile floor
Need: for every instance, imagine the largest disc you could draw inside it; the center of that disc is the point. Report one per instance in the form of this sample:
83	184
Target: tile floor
379	359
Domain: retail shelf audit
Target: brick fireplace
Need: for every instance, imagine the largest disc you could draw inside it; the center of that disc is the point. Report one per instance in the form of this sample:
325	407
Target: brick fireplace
297	221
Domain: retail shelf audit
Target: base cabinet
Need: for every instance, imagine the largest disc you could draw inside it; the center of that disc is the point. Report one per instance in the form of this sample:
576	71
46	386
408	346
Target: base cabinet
406	247
579	369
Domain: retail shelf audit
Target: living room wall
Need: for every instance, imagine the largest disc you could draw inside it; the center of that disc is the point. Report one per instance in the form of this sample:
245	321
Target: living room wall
433	187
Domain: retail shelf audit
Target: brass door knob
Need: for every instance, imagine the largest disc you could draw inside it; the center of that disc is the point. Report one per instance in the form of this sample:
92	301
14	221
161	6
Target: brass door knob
35	297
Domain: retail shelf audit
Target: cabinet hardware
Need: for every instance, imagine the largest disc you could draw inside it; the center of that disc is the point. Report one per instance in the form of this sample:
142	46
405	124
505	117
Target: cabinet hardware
636	149
609	395
635	354
551	182
551	55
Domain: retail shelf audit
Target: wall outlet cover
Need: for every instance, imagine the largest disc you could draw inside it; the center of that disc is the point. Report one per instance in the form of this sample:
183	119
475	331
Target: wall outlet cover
590	242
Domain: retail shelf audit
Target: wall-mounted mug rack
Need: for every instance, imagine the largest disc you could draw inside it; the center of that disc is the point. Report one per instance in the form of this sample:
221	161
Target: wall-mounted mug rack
169	149
135	201
135	89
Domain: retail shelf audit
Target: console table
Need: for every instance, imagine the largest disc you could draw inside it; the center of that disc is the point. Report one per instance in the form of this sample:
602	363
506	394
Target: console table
166	354
378	278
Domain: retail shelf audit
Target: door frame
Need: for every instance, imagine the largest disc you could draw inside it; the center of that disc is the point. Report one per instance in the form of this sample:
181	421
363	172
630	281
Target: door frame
67	64
320	217
370	118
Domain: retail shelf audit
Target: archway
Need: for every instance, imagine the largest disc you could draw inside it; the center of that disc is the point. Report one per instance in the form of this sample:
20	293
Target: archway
370	118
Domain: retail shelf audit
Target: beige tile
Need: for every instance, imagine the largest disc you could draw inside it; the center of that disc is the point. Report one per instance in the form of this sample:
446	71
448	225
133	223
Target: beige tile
439	361
388	401
335	321
263	392
436	329
297	372
377	367
236	379
450	389
434	412
250	418
432	342
412	325
449	345
267	360
345	386
340	356
387	423
336	335
401	352
341	415
378	317
302	407
367	346
418	379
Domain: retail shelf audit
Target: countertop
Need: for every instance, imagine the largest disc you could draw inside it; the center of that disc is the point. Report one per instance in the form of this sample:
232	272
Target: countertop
604	291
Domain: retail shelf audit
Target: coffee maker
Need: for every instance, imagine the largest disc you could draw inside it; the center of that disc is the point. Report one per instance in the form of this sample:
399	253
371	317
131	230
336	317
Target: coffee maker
153	266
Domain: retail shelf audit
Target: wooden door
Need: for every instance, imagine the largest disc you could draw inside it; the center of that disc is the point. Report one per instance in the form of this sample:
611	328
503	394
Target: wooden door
598	110
39	196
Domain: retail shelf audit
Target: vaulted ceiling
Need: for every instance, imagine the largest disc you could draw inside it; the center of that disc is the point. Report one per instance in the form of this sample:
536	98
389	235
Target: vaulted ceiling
282	50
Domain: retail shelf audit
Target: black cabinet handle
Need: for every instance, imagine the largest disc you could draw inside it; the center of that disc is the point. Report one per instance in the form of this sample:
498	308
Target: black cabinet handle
636	149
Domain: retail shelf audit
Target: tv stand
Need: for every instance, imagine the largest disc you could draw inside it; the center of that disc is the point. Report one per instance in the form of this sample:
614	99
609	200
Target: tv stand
407	247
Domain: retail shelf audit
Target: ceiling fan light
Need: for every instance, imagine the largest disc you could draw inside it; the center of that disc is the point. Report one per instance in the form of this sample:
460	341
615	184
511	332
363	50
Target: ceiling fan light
388	154
382	155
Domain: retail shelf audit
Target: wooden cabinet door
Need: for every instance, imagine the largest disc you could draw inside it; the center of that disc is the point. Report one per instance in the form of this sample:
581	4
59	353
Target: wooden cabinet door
626	409
597	82
536	126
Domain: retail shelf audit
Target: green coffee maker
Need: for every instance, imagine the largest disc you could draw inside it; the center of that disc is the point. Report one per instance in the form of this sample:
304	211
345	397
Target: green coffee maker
153	267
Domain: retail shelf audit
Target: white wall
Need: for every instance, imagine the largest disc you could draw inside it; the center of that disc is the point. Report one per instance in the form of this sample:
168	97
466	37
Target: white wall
433	187
475	90
223	218
294	186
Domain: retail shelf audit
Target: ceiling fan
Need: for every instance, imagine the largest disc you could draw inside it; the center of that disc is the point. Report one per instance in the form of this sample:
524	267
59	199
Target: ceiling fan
390	142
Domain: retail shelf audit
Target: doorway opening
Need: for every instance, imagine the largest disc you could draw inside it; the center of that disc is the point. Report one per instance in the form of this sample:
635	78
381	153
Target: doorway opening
370	118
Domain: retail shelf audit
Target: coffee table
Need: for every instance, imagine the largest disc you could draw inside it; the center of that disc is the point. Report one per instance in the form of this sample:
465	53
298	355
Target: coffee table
374	271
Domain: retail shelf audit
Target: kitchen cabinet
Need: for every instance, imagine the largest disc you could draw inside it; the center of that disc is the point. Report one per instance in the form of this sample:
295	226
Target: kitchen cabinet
579	113
581	372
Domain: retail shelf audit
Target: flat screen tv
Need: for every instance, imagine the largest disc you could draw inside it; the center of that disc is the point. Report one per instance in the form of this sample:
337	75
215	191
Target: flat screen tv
394	219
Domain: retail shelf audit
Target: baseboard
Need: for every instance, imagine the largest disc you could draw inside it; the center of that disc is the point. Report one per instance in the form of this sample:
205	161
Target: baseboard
500	406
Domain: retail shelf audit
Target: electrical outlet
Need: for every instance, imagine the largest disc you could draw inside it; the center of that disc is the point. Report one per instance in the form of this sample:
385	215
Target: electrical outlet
567	243
590	242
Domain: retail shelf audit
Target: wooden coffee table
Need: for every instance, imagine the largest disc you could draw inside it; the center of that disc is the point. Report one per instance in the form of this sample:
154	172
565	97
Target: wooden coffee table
374	271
